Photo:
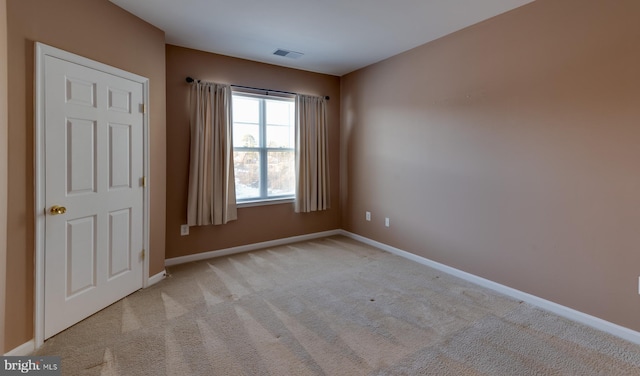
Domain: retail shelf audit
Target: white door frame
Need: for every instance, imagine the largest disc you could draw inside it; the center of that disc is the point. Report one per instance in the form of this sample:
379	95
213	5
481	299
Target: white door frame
43	50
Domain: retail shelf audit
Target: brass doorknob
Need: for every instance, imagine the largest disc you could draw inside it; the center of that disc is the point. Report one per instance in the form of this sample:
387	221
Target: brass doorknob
55	210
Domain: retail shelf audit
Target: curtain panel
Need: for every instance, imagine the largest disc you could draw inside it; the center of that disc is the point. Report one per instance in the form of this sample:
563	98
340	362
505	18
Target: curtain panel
211	196
312	156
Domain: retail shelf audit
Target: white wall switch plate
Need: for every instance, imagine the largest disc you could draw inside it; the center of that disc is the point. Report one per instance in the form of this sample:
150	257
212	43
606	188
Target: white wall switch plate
368	216
184	230
386	222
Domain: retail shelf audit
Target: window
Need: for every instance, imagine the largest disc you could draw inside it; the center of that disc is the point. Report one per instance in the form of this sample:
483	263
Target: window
263	147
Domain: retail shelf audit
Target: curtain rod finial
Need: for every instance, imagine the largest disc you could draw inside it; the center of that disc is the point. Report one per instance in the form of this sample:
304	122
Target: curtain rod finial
190	80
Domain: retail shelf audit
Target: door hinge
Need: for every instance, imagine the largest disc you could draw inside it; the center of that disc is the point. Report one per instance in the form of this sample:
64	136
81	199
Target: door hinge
142	254
143	108
143	181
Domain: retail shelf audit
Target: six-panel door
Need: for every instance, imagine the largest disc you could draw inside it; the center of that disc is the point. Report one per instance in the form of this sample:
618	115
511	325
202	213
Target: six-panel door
93	169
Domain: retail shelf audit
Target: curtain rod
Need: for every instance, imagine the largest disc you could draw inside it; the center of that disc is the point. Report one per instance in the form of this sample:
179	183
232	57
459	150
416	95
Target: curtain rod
190	80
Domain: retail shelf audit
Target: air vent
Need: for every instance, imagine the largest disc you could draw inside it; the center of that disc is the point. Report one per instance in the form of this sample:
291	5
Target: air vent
289	54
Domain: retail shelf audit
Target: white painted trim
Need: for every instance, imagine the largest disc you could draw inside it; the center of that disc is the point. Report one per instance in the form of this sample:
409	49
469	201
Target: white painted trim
42	50
560	310
23	350
249	247
39	196
146	170
156	278
279	201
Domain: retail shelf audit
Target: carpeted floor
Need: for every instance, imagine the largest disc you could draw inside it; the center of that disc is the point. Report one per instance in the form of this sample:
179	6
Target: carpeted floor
330	306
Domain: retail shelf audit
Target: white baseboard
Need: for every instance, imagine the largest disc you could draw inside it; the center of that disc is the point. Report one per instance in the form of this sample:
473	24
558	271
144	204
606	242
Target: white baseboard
560	310
156	278
249	247
23	350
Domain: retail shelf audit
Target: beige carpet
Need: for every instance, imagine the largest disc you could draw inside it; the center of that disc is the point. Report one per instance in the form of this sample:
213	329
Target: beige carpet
330	307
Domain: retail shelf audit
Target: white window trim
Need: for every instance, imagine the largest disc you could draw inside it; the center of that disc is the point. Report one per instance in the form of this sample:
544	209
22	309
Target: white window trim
265	202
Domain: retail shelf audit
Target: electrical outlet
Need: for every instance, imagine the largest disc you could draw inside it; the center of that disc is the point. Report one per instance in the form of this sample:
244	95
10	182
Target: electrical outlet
184	230
368	216
386	222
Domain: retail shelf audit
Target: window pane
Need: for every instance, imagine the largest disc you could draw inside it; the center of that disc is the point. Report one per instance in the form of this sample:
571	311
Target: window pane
279	136
280	123
280	112
246	121
246	135
247	172
281	173
245	110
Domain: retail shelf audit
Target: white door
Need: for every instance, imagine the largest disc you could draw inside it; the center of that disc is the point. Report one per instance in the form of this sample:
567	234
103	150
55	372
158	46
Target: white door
93	168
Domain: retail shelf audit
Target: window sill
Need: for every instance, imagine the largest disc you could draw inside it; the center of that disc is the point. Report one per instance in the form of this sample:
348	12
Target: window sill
277	201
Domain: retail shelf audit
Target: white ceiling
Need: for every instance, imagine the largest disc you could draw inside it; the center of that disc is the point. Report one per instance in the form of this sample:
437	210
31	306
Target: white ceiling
335	36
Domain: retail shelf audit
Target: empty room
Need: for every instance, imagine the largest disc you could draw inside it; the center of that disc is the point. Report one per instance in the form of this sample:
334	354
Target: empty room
321	188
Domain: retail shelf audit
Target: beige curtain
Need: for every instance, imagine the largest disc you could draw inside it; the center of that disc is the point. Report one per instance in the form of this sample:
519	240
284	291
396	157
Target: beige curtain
212	195
312	157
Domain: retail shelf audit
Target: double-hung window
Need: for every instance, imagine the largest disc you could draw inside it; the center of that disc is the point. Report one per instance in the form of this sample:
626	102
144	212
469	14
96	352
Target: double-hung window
263	146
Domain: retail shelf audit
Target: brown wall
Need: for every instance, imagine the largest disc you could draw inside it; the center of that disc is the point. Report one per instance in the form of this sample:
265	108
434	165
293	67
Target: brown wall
98	30
3	164
254	224
509	150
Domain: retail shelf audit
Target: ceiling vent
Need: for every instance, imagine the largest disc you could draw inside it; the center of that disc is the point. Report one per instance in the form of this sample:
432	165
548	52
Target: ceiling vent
289	54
